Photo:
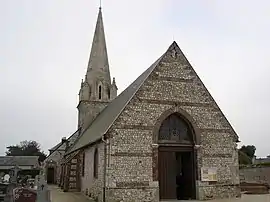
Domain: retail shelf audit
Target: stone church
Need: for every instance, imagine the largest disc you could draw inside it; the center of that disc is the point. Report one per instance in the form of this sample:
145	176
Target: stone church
164	137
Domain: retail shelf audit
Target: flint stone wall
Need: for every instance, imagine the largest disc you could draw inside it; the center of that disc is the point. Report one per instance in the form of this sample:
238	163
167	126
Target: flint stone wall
91	186
173	86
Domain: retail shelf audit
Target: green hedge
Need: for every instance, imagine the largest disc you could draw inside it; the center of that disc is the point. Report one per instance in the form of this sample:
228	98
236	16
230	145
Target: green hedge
266	164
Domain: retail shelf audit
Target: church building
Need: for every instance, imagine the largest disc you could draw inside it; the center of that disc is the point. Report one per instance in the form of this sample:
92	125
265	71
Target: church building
163	138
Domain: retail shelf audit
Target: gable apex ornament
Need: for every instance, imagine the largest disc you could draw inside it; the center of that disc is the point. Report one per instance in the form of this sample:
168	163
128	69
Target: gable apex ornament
174	53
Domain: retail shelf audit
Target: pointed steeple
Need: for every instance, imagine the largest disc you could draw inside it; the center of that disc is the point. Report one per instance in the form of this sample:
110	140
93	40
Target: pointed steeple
97	90
98	57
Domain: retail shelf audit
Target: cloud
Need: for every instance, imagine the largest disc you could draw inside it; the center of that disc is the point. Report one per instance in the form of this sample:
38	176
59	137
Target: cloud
45	47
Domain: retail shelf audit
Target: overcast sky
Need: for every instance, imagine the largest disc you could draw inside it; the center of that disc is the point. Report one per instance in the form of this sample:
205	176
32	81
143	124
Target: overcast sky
45	45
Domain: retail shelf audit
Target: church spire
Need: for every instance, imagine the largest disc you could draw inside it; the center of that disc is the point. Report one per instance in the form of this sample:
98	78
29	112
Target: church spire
98	57
97	85
97	90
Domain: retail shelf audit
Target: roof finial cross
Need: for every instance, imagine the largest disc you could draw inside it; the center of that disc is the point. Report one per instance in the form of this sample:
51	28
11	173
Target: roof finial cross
99	4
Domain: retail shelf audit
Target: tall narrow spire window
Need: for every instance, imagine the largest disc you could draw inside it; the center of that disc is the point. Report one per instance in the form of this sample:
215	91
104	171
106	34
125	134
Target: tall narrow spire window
99	92
95	170
90	91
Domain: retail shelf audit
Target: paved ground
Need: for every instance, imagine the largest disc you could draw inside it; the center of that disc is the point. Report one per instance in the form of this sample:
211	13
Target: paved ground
244	198
57	195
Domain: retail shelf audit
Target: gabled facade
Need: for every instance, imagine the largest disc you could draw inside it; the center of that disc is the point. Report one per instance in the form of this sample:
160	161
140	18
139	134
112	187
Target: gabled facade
164	131
52	164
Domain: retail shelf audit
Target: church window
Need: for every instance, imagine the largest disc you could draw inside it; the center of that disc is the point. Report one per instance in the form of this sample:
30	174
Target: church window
109	94
90	91
83	163
99	92
175	129
96	163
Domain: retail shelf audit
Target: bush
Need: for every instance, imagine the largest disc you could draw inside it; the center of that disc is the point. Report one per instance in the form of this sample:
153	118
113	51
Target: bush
265	164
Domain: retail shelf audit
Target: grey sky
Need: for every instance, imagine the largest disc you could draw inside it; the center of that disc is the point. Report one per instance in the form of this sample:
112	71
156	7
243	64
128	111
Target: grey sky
45	45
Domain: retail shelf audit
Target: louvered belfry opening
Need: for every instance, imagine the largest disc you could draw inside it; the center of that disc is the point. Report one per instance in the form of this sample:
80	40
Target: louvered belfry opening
176	159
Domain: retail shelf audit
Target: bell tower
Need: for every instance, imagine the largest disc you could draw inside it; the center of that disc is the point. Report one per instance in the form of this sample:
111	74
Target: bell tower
97	89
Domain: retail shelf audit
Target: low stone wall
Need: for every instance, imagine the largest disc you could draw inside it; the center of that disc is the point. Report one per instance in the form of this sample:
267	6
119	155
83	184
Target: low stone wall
255	174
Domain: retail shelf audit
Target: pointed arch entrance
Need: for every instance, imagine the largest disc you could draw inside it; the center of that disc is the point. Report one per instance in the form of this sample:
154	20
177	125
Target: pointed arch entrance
176	158
51	169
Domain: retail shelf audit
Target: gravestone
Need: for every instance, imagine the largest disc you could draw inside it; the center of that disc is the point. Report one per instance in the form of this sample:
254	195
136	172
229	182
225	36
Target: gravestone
30	183
3	191
36	182
9	193
22	194
12	184
6	177
43	194
14	174
36	179
2	174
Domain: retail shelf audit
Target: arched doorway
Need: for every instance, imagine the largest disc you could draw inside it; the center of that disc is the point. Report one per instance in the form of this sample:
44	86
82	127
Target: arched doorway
50	175
176	159
51	171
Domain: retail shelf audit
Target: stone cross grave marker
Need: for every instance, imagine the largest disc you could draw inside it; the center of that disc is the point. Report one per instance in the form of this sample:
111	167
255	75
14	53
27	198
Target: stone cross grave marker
14	174
43	194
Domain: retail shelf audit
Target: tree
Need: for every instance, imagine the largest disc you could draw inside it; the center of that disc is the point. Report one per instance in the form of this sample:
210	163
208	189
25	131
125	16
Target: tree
244	159
249	150
246	154
26	148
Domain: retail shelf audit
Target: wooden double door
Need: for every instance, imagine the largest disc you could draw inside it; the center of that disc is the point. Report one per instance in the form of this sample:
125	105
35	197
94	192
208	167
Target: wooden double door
176	173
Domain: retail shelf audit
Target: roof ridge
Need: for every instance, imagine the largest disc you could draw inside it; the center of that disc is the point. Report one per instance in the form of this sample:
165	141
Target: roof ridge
130	91
61	143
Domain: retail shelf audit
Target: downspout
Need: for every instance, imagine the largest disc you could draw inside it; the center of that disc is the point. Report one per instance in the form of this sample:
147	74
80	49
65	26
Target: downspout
105	167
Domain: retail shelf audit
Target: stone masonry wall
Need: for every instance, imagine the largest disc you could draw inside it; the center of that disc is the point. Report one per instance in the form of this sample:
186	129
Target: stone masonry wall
56	156
88	110
255	174
173	86
93	187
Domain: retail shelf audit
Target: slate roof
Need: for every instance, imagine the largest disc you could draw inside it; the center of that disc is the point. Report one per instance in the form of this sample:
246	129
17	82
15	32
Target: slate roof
61	146
105	119
56	147
102	123
19	160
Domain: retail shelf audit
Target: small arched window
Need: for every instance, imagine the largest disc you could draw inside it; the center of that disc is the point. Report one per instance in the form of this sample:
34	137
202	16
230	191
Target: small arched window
99	92
95	170
90	91
109	94
83	163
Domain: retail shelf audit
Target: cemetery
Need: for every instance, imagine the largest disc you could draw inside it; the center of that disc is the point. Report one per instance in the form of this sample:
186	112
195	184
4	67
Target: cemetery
17	188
